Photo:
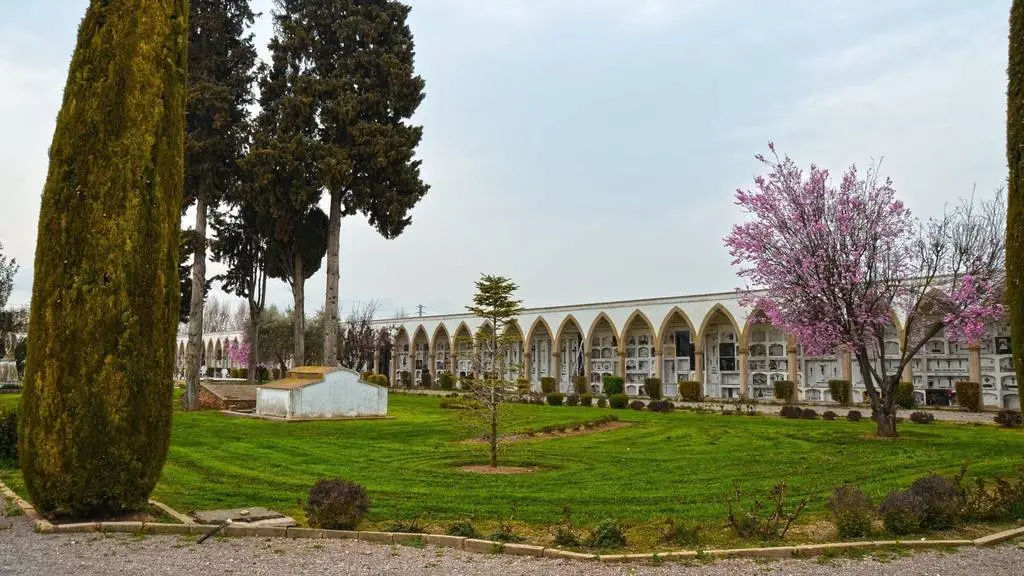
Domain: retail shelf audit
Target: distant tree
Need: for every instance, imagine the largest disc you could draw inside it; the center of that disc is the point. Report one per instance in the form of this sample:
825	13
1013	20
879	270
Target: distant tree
360	338
8	268
95	417
362	57
1015	161
495	303
20	355
221	71
217	316
836	262
275	344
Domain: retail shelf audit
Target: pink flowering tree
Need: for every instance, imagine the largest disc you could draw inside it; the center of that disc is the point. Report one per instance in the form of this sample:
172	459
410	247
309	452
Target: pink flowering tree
239	353
832	264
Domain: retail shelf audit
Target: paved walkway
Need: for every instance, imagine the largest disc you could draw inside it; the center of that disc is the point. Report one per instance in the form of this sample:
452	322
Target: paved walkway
23	552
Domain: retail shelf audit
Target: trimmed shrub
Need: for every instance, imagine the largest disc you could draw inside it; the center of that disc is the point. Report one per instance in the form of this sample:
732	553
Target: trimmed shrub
8	435
523	386
904	396
602	402
336	504
1009	419
902	512
95	415
572	400
808	414
618	401
608	534
580	384
548	385
828	415
968	395
405	377
464	529
446	380
922	417
853	416
587	399
652	386
380	380
637	404
613	385
791	411
785	390
691	391
941	500
661	406
555	398
426	380
852	511
841	391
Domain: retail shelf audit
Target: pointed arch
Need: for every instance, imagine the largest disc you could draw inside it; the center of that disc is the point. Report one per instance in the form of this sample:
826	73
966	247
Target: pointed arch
667	321
711	314
569	318
418	332
539	323
402	333
513	326
639	314
593	327
441	328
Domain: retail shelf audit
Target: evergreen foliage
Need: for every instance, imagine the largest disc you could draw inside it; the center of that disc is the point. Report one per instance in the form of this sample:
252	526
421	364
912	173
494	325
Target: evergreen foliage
1015	196
95	416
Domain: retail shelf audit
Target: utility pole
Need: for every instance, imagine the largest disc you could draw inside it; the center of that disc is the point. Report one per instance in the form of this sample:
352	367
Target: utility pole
420	309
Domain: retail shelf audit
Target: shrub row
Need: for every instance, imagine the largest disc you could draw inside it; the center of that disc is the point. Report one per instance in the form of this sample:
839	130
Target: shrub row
8	435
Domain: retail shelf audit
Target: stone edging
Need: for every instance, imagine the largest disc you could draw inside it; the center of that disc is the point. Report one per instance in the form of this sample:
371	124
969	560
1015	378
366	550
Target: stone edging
484	546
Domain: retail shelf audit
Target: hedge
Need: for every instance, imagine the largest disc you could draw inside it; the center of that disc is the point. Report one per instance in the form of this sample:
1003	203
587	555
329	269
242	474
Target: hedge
785	390
548	385
691	391
613	385
968	395
652	386
841	391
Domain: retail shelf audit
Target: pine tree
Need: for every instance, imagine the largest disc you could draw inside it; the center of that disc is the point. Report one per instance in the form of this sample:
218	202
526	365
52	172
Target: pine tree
96	411
221	71
1015	197
366	90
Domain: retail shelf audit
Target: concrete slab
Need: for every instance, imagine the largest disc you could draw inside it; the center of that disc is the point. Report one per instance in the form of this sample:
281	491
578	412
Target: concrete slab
236	515
442	540
523	550
998	537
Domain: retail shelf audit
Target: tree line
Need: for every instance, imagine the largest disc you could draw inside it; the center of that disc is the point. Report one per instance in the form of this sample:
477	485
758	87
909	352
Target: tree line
332	122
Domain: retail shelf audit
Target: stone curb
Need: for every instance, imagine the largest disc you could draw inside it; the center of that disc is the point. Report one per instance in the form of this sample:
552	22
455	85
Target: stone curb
486	546
183	518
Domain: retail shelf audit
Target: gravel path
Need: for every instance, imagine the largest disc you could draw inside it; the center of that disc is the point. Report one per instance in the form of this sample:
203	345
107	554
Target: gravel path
24	552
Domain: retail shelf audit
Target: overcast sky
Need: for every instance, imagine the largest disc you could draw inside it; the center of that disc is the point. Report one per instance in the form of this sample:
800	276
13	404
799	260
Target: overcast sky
590	149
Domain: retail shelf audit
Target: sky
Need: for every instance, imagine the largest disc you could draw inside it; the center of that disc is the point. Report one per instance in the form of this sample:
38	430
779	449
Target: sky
590	149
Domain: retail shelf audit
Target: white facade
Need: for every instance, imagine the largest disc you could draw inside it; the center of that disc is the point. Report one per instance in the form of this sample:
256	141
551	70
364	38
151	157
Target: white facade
215	351
710	338
311	393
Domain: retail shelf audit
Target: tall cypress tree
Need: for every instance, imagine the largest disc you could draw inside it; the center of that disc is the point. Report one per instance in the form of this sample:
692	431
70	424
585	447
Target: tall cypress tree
1015	197
96	411
221	72
367	89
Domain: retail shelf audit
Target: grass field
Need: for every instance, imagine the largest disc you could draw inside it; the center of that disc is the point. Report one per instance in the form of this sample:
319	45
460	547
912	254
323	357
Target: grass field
678	464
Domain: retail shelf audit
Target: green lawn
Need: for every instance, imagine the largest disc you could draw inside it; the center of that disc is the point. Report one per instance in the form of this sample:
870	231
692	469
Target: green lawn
678	464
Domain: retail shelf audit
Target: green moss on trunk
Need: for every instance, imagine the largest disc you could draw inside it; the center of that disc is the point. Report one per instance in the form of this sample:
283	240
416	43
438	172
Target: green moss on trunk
96	411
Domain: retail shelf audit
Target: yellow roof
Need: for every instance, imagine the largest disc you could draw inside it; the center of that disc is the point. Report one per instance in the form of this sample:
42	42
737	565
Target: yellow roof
310	371
292	383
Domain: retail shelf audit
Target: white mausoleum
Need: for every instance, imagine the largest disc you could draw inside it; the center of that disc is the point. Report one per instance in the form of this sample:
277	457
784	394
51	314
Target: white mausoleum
314	392
709	338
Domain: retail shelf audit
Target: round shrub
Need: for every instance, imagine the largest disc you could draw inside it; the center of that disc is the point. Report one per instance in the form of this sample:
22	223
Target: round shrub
548	385
941	500
618	401
1009	419
586	399
828	415
602	402
853	416
463	529
637	404
572	400
790	411
336	504
904	396
808	414
608	534
852	511
661	406
902	512
922	417
446	380
555	398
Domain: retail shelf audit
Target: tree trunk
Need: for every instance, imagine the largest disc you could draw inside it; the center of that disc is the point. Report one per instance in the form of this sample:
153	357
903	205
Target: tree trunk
333	271
1015	184
882	411
193	350
494	432
254	342
299	318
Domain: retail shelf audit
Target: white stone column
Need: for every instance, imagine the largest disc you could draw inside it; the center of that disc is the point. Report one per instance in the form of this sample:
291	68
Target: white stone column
974	363
744	373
